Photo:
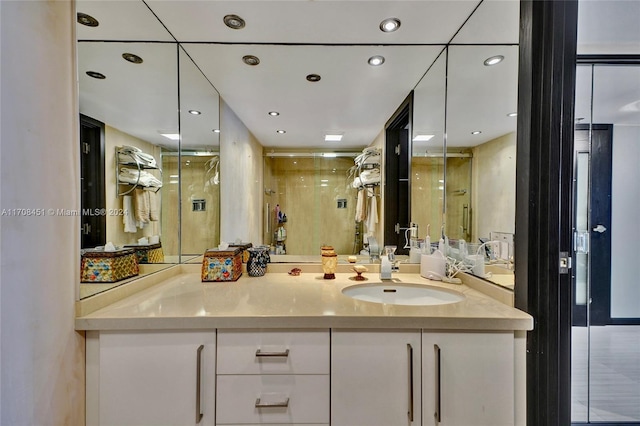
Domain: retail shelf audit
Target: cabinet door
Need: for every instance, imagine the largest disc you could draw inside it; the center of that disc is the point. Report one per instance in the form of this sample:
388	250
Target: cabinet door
150	378
375	378
468	379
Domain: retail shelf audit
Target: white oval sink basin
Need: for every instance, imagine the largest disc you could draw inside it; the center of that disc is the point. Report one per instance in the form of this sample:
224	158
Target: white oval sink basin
402	294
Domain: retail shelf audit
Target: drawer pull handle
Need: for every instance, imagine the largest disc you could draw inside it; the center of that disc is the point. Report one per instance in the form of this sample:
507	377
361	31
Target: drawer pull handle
438	413
199	413
284	354
282	404
410	354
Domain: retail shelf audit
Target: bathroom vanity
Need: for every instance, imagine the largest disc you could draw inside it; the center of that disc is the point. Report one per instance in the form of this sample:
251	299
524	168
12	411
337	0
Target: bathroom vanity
282	349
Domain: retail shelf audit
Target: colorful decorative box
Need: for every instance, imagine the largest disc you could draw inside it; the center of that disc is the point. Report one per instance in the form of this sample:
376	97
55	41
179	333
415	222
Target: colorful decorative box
108	266
148	253
222	265
244	247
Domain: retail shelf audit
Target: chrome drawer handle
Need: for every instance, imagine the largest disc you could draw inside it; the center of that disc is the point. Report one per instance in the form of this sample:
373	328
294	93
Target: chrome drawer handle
272	354
283	404
199	413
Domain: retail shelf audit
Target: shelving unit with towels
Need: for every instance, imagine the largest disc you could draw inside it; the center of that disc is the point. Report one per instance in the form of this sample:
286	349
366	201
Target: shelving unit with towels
140	162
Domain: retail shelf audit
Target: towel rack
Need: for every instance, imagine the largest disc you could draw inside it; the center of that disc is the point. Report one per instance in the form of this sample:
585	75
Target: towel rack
140	167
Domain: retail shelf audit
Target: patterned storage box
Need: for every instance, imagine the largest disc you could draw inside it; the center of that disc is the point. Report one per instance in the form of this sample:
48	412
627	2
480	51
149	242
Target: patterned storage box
108	266
148	253
244	247
222	265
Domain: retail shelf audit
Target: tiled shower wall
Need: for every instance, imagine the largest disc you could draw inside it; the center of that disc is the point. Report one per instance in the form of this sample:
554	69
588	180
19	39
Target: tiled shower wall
307	190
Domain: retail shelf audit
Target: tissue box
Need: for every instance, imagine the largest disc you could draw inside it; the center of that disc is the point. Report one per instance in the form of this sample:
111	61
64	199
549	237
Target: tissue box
148	253
108	266
222	265
243	247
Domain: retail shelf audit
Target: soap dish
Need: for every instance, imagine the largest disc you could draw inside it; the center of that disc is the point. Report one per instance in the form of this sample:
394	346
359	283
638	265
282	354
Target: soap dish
359	269
295	272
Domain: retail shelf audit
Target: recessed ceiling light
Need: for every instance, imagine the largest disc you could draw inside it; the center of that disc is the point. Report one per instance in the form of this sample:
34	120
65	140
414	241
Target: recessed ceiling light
281	131
250	60
422	138
216	130
87	20
389	25
512	114
234	22
134	59
274	113
172	136
313	77
194	112
374	61
97	75
332	138
476	132
493	60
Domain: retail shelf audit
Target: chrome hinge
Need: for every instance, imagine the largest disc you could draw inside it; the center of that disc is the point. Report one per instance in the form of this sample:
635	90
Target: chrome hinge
86	148
398	149
397	228
565	262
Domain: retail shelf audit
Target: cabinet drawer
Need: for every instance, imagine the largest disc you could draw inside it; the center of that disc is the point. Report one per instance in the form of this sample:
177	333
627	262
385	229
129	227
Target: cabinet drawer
273	352
302	399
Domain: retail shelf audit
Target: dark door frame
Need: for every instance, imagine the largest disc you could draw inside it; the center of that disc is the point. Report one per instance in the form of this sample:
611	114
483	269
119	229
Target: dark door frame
600	147
546	87
92	168
397	173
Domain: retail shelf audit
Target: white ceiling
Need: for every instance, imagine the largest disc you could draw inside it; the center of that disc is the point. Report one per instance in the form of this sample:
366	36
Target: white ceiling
292	39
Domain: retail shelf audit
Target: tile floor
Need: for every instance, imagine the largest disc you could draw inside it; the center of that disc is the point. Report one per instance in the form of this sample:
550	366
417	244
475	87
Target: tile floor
606	386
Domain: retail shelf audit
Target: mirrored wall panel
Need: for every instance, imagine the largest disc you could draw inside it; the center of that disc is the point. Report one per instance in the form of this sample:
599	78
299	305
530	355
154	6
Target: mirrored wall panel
128	96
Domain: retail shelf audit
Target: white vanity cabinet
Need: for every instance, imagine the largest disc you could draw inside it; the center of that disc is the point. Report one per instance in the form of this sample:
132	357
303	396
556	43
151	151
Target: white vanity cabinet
273	377
151	378
375	377
468	378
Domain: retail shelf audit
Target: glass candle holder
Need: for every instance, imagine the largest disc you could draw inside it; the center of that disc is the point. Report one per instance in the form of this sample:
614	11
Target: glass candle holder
329	265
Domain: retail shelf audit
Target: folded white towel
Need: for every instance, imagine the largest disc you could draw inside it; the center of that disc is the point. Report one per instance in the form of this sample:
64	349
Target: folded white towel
366	177
372	216
128	217
142	178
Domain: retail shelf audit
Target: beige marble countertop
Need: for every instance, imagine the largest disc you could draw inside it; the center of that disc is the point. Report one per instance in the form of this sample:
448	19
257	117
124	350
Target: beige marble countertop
279	300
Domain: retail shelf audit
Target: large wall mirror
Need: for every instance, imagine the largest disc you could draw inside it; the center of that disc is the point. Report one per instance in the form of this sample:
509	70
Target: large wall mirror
457	184
148	116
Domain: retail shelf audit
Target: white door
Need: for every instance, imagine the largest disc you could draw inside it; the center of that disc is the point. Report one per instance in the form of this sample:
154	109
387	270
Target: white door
151	378
468	379
375	378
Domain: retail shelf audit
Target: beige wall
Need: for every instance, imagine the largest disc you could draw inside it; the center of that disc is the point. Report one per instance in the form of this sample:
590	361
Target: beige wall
115	227
42	357
427	174
241	184
379	231
310	203
200	229
494	186
458	189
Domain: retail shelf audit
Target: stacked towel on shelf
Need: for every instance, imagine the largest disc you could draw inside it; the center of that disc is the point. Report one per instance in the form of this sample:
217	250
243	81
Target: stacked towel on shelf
142	178
366	177
128	154
369	156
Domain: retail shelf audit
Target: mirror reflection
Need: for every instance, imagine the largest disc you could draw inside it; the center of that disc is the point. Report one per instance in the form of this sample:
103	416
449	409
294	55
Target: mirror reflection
199	163
460	183
132	122
481	154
